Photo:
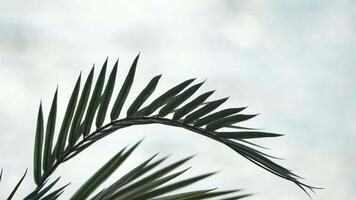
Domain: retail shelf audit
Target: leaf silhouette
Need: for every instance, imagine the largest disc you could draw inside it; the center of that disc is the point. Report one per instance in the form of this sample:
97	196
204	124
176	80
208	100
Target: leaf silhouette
176	107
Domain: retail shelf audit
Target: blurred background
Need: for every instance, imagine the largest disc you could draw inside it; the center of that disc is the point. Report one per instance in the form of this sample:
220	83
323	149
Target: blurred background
291	61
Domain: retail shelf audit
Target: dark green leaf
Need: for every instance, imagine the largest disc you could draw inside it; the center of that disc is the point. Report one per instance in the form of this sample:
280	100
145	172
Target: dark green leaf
262	161
124	91
172	187
218	115
143	96
237	197
246	134
16	187
63	133
102	174
51	123
203	110
212	194
148	168
152	177
177	100
161	100
55	194
241	127
37	157
127	178
191	105
94	101
44	191
33	194
82	104
105	99
136	192
184	196
220	123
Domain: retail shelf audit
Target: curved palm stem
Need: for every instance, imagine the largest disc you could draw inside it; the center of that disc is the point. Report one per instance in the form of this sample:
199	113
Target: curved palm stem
126	122
121	123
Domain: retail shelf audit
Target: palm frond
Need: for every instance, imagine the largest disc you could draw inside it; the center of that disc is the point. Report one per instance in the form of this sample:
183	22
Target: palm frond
41	192
103	173
137	184
55	194
175	107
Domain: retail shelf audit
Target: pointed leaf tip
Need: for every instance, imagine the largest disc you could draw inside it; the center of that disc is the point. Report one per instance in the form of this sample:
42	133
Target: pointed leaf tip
124	91
106	97
179	99
37	157
82	105
17	186
164	98
103	173
186	109
209	107
143	96
63	133
94	101
50	128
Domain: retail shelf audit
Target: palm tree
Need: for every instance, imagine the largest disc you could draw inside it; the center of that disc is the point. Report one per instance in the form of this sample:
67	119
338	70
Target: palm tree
148	180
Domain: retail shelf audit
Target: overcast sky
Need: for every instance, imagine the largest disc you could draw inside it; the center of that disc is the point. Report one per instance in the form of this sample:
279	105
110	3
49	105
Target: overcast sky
291	61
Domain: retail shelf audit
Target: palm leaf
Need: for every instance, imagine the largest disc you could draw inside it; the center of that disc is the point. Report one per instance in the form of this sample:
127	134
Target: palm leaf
191	105
197	115
51	123
94	101
227	121
16	186
171	187
237	197
177	100
103	173
185	195
126	188
106	97
213	194
55	194
63	133
41	192
246	135
121	98
143	96
154	176
218	115
204	110
154	185
83	101
161	100
129	177
37	158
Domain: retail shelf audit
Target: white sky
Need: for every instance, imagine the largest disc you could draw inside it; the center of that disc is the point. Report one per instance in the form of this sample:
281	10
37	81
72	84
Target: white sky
291	61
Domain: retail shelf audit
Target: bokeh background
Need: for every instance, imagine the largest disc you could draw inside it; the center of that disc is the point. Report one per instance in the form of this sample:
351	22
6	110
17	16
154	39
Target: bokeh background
291	61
